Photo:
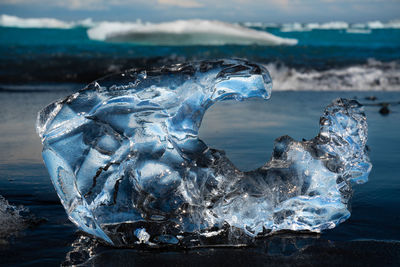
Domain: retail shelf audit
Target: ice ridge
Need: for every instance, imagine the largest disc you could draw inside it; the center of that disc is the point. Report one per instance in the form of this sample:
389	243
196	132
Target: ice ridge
126	161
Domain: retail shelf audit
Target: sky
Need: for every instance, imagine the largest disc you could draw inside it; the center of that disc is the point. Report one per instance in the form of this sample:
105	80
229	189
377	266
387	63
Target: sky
232	11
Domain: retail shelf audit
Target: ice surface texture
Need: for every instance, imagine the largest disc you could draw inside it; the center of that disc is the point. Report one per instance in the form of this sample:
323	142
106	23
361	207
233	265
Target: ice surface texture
126	161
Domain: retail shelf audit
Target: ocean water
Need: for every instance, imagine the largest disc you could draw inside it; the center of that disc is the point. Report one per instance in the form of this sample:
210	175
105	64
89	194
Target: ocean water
44	60
335	56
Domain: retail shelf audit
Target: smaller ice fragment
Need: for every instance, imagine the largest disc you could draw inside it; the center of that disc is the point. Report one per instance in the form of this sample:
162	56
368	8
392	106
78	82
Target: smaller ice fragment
142	235
12	218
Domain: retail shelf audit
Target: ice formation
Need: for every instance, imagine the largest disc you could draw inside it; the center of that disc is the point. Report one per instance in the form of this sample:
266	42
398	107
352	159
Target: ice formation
12	218
126	161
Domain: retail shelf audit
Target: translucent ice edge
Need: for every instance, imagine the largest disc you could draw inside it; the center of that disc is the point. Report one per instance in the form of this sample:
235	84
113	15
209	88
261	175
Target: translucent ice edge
126	161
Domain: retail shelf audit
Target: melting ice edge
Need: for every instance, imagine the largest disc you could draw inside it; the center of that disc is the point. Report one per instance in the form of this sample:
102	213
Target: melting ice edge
126	161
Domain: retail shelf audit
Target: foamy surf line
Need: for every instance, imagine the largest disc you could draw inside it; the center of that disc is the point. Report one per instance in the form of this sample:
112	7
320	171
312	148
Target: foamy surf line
180	32
341	25
371	76
332	25
184	32
47	23
14	21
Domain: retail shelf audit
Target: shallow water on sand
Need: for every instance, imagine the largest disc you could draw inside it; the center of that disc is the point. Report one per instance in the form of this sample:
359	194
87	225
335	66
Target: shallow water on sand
246	131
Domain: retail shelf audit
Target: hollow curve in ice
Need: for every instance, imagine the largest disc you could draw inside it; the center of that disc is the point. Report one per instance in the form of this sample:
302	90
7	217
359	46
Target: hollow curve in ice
126	161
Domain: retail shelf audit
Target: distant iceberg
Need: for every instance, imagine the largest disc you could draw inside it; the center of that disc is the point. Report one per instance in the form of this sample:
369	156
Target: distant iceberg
184	32
126	161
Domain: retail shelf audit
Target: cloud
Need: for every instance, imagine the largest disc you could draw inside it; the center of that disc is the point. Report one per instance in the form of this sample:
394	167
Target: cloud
83	5
181	3
14	2
104	4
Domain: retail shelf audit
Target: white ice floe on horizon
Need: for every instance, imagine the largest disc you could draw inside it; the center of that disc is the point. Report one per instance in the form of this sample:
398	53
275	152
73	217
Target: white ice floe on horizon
184	32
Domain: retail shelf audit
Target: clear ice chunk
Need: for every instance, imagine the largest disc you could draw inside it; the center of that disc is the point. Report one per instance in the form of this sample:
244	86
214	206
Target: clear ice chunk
126	161
13	219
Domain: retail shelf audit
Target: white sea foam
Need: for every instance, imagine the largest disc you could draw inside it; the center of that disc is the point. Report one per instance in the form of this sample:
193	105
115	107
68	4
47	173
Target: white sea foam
372	76
358	31
333	25
180	32
13	21
261	24
184	32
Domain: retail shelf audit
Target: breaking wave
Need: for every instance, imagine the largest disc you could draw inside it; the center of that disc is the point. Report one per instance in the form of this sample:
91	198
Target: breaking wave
49	23
180	32
333	25
102	29
184	32
372	76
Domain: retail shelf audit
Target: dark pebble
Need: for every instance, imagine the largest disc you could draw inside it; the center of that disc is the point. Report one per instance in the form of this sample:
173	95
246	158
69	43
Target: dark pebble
384	110
371	98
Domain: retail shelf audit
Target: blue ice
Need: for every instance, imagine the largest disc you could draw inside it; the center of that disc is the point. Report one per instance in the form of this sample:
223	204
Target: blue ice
126	161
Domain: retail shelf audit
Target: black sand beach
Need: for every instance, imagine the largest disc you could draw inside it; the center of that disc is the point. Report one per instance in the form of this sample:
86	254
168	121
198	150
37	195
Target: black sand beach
246	131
